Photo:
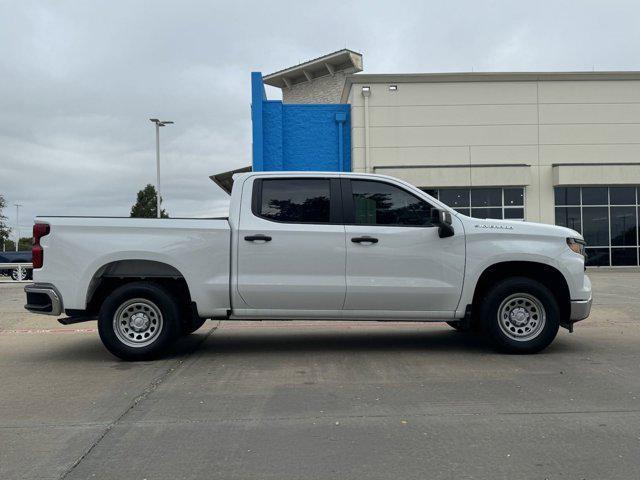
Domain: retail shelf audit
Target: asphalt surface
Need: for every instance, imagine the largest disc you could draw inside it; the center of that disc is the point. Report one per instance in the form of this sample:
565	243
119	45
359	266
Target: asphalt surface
324	400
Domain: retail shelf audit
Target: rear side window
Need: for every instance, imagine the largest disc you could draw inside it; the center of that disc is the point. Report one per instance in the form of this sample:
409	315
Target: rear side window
302	200
378	203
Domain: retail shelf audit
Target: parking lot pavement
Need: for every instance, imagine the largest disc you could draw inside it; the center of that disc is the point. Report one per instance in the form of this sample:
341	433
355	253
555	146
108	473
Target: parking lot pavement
324	400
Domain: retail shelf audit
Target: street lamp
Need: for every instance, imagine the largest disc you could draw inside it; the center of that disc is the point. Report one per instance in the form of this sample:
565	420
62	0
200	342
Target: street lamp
159	123
18	205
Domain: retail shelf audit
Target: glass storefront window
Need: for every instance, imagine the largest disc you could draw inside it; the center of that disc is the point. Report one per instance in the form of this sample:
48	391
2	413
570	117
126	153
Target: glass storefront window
623	226
499	203
622	195
594	196
624	257
567	195
598	257
455	197
486	213
486	197
569	217
514	213
595	225
608	219
513	196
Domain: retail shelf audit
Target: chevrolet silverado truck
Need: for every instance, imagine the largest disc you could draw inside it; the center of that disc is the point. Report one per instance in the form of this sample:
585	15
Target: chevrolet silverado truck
315	246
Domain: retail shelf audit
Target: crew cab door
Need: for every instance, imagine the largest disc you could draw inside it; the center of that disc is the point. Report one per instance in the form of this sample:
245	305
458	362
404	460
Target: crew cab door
291	246
397	265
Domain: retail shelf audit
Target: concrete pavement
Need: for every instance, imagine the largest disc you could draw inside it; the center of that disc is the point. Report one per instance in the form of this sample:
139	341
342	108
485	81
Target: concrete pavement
324	400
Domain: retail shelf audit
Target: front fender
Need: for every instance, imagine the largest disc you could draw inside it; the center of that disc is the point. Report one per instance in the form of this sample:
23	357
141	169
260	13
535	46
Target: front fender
483	252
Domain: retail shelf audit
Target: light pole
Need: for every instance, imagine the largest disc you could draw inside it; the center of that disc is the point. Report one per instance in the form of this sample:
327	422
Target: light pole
18	205
159	123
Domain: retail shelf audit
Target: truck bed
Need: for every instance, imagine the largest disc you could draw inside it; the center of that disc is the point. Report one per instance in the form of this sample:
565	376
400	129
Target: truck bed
78	249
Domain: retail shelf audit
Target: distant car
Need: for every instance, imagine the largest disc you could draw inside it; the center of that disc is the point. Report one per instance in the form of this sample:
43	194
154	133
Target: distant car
16	257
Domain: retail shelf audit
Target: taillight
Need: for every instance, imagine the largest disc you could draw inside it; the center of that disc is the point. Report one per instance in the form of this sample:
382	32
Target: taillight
37	254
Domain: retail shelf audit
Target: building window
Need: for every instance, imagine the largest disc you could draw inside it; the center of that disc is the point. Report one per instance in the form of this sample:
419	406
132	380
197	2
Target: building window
607	217
495	202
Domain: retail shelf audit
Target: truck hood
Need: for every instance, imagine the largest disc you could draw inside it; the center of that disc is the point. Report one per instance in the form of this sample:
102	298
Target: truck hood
515	226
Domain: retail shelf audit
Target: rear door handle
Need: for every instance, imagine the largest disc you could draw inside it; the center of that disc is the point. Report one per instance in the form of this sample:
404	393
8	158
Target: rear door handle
254	238
364	240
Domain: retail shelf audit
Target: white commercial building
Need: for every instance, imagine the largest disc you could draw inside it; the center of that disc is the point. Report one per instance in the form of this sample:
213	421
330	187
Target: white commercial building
552	147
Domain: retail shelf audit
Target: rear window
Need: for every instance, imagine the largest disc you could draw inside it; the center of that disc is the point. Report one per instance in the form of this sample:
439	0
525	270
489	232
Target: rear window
303	200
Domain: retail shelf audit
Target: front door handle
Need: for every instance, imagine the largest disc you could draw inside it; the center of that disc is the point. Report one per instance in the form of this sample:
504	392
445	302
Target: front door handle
254	238
364	240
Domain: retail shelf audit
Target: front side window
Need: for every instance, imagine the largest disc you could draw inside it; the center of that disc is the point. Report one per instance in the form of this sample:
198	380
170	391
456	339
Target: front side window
378	203
302	200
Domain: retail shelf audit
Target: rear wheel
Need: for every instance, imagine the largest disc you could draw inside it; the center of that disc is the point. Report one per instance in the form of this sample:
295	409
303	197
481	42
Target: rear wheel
520	315
139	321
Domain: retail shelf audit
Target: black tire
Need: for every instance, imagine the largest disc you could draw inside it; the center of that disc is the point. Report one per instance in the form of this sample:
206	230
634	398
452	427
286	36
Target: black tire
192	324
460	326
520	299
150	302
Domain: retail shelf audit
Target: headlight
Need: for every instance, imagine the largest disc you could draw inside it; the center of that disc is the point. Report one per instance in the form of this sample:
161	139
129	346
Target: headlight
576	245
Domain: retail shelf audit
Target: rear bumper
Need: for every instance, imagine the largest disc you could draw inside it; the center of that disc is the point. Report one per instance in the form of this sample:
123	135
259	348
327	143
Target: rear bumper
580	309
43	298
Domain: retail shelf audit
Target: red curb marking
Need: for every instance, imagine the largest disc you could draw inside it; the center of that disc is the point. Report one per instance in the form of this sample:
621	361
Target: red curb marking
32	331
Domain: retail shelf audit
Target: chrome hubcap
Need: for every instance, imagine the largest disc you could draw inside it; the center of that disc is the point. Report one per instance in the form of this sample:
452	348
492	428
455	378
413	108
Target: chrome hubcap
521	317
137	322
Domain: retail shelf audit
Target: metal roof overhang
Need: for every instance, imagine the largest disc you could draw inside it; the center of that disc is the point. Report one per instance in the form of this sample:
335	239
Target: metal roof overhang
318	67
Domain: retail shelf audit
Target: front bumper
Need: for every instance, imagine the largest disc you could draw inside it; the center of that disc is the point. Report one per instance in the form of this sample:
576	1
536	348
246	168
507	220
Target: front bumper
43	298
580	309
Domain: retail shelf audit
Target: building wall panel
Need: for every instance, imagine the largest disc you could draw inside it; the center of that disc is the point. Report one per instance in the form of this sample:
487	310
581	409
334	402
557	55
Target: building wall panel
504	154
605	154
593	133
621	91
454	93
421	115
597	113
452	136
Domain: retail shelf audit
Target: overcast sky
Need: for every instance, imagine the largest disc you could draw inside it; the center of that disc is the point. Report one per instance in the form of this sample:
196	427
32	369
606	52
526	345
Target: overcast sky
80	79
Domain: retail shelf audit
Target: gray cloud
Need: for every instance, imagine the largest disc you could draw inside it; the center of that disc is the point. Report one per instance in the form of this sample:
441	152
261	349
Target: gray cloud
79	80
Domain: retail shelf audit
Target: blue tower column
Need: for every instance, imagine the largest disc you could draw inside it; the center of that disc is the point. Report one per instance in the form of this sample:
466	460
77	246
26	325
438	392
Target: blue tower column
258	97
298	136
341	118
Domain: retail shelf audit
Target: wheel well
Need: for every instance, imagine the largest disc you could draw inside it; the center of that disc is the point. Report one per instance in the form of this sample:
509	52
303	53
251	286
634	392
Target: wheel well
549	276
115	274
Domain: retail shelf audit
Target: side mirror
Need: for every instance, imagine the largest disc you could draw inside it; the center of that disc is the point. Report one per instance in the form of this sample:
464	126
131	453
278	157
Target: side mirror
442	220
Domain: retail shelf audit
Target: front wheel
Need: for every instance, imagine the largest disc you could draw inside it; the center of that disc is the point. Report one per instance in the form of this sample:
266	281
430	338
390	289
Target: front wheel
520	315
139	321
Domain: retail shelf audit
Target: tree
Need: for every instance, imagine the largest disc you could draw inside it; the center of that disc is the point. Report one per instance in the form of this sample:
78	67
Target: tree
5	231
25	244
145	206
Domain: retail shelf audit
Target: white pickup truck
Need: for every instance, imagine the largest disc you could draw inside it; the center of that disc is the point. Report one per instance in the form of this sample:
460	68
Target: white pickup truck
311	246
